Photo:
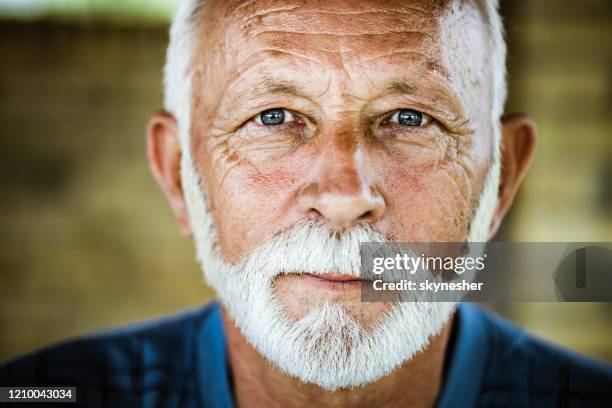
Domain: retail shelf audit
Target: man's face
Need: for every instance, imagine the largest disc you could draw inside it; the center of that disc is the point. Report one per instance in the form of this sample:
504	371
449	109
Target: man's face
374	113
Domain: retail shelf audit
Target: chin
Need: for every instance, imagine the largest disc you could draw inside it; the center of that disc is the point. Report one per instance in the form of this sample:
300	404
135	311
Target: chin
299	295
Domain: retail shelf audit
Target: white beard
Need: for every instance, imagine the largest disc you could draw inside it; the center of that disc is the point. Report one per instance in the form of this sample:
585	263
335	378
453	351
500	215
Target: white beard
327	346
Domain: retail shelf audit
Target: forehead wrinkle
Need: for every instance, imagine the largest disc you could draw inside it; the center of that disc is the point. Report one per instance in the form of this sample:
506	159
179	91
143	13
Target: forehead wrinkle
414	55
333	34
410	11
245	4
340	8
258	82
260	14
358	45
292	40
306	20
271	53
373	22
337	43
395	11
270	12
415	61
335	8
263	70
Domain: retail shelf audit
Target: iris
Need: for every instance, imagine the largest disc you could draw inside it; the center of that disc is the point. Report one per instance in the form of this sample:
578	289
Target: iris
409	117
272	117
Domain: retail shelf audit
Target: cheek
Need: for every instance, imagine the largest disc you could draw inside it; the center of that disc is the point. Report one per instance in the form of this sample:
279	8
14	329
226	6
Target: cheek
427	204
255	200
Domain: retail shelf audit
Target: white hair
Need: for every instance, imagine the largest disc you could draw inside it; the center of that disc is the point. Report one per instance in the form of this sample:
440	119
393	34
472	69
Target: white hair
497	71
327	346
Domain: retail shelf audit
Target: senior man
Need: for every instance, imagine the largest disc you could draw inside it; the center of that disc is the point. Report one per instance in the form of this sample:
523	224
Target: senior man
293	131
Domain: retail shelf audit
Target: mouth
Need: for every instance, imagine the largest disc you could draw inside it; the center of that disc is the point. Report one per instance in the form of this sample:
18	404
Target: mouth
332	282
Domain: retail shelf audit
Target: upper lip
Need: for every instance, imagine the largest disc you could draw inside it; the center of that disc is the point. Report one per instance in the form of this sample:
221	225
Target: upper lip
336	277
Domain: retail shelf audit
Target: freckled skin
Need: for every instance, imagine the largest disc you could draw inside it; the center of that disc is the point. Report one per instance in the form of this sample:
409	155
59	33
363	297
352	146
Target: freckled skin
341	57
341	67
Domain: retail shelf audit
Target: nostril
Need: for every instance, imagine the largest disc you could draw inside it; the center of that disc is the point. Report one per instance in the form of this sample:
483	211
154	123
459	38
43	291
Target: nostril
313	214
342	210
366	216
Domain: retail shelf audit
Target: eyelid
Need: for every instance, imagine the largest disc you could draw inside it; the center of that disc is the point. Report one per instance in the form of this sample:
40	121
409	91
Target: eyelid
289	117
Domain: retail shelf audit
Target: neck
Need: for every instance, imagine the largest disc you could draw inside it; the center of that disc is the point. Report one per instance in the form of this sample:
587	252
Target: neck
257	383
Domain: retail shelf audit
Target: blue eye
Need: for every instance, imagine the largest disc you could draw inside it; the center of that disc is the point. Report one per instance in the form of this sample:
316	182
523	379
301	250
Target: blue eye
274	117
408	117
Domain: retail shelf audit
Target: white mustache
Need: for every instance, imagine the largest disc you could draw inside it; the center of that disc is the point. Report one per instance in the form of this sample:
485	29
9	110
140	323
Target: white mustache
309	247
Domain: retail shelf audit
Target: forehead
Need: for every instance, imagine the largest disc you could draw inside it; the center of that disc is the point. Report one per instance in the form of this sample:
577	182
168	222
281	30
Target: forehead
365	38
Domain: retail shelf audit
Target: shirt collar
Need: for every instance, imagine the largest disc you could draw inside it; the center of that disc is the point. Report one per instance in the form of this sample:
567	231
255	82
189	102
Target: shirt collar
465	367
467	359
213	373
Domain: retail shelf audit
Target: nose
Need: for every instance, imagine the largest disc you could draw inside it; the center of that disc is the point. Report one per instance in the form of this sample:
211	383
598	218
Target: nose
341	196
345	210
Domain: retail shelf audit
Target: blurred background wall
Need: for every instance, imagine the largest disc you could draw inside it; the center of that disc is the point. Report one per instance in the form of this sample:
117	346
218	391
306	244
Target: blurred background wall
87	238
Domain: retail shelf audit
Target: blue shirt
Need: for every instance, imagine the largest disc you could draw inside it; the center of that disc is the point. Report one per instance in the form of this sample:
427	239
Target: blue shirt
181	361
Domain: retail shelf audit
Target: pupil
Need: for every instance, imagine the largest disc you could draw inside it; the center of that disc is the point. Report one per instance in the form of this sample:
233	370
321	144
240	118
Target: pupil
272	117
410	117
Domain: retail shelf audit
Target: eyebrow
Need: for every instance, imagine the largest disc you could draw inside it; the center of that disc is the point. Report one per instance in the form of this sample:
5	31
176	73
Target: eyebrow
268	83
264	86
399	86
276	86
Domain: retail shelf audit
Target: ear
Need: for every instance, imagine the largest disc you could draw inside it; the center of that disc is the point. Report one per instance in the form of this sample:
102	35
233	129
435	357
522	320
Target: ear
164	151
517	149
